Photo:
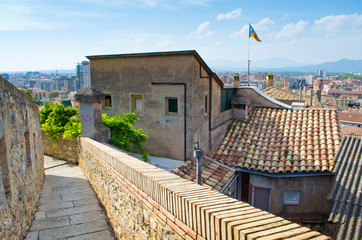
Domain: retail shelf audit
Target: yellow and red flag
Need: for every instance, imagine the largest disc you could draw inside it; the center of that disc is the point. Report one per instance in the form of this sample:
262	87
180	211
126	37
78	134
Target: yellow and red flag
252	33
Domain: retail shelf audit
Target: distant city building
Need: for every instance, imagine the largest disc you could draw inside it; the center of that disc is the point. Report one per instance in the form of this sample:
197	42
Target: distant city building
83	74
5	75
321	73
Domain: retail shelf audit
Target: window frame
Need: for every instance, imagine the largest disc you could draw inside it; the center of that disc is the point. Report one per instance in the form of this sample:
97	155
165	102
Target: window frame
105	99
167	105
207	104
295	202
134	98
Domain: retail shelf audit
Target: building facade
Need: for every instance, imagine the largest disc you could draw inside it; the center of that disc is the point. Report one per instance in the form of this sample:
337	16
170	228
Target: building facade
83	74
176	96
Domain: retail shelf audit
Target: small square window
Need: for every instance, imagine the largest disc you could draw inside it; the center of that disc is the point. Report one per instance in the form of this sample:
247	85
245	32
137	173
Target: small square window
107	103
291	197
171	105
137	103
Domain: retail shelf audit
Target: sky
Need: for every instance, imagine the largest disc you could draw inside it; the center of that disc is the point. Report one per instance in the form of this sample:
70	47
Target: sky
57	34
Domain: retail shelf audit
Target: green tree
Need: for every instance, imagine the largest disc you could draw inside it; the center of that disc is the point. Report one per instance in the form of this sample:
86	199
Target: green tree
28	93
58	119
54	94
123	135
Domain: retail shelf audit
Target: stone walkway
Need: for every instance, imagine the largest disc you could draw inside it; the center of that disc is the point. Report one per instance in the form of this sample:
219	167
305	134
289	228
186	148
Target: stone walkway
68	207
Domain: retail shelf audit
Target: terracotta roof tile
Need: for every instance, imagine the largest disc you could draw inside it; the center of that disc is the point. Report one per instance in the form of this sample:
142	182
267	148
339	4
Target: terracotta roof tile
214	174
282	140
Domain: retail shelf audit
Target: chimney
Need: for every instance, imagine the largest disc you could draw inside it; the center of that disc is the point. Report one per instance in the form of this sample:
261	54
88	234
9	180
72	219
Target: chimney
286	83
236	80
270	79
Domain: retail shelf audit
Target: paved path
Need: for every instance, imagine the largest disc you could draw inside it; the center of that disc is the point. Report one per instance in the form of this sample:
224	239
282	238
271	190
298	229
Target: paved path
68	207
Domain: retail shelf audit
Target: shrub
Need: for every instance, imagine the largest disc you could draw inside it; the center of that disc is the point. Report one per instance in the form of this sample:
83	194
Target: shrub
58	119
123	135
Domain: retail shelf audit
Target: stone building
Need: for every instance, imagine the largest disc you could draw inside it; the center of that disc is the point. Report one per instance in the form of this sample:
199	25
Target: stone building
176	96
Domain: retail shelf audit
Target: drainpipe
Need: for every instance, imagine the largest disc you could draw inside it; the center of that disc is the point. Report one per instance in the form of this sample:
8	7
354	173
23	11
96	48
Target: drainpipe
199	153
183	84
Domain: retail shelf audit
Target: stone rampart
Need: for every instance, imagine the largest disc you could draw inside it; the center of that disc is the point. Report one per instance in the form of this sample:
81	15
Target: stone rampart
145	202
21	161
63	149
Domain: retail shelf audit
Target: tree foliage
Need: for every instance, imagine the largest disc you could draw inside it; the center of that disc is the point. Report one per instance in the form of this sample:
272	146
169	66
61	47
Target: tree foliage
123	135
348	75
58	119
54	94
28	93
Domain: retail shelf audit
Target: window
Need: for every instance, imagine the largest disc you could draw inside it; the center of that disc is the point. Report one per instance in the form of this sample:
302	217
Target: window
107	103
171	105
137	103
291	197
226	96
206	107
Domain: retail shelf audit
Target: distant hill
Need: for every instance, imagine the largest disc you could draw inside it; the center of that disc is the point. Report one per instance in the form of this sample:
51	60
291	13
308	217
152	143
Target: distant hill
271	65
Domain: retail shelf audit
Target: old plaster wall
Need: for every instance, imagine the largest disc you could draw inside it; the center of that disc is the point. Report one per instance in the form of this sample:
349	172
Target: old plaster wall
134	75
122	77
21	161
313	196
63	149
313	192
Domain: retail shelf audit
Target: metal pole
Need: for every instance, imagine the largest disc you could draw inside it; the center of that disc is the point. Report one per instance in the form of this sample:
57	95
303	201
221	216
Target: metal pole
199	156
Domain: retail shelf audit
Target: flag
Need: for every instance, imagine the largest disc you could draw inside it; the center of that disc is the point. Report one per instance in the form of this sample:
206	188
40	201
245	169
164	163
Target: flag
252	33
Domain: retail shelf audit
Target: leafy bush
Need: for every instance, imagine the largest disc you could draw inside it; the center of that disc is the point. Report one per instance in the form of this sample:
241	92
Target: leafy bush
58	119
123	135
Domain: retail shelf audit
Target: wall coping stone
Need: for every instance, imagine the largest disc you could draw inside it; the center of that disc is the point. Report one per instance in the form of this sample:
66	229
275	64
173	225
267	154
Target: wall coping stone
185	205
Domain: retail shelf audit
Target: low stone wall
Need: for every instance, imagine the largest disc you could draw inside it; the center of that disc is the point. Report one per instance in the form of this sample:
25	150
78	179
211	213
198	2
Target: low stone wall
64	149
21	161
145	202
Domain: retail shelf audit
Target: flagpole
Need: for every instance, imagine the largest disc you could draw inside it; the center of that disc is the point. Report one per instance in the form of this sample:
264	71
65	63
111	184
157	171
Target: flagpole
249	57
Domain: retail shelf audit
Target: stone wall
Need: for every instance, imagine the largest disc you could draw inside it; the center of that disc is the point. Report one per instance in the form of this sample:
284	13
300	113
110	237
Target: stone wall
145	202
21	161
64	149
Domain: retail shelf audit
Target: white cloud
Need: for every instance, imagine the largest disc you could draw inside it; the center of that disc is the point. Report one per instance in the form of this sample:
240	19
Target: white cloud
262	24
243	32
333	24
230	15
292	29
202	30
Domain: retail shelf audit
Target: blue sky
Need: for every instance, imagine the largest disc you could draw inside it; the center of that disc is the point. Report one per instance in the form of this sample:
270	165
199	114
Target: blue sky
49	34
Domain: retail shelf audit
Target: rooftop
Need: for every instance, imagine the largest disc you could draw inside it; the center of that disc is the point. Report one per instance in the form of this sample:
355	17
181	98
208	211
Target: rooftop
346	191
213	174
281	141
350	117
280	93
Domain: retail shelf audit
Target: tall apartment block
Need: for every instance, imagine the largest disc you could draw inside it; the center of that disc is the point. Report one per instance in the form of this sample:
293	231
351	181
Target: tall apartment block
83	74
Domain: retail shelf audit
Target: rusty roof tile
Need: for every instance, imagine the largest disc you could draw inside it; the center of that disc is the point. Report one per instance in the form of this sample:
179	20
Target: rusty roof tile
281	138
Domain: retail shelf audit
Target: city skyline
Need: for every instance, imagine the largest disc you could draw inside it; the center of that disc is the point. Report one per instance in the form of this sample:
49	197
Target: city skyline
56	35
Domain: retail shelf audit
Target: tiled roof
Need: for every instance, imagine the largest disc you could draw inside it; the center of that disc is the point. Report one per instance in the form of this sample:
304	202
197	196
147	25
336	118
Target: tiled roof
350	116
279	93
351	130
281	141
213	173
346	190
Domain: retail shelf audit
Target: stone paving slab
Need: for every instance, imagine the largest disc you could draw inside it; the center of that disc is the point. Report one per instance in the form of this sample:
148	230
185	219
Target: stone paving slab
68	207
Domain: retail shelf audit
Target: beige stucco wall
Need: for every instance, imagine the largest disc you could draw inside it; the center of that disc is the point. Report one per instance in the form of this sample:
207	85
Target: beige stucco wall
122	77
313	193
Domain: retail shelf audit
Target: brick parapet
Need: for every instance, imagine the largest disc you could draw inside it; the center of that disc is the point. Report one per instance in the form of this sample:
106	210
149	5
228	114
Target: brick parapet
178	208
